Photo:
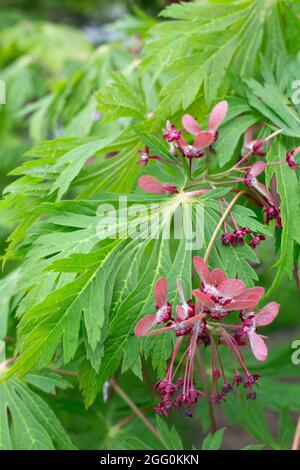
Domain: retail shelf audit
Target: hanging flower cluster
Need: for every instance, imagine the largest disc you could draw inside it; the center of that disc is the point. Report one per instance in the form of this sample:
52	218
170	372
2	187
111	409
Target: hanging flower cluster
199	323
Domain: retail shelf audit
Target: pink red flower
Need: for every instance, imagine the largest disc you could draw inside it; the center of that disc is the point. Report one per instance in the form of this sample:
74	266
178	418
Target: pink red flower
150	184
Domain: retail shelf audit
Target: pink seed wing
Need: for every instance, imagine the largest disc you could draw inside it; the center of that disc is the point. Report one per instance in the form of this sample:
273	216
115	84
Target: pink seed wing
203	140
257	168
203	299
248	304
217	116
258	346
231	287
150	184
190	124
161	292
218	276
144	325
267	314
202	270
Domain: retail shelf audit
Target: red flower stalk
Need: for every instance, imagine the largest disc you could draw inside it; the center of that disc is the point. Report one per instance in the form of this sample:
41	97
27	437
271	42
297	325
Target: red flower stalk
256	146
198	322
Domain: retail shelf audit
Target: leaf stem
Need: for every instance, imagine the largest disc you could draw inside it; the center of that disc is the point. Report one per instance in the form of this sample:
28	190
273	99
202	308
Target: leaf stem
220	223
136	410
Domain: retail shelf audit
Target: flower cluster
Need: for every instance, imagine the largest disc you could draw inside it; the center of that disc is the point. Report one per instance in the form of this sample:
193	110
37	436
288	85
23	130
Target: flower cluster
198	322
290	158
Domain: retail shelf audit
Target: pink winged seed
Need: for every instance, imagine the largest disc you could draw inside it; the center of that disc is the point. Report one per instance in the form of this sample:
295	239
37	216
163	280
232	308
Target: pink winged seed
257	168
248	138
218	276
150	184
203	140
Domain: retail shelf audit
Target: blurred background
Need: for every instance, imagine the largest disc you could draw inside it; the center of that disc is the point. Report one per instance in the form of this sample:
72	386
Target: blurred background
45	43
51	59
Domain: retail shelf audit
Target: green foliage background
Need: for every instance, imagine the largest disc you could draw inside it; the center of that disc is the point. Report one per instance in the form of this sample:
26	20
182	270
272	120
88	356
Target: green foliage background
70	303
